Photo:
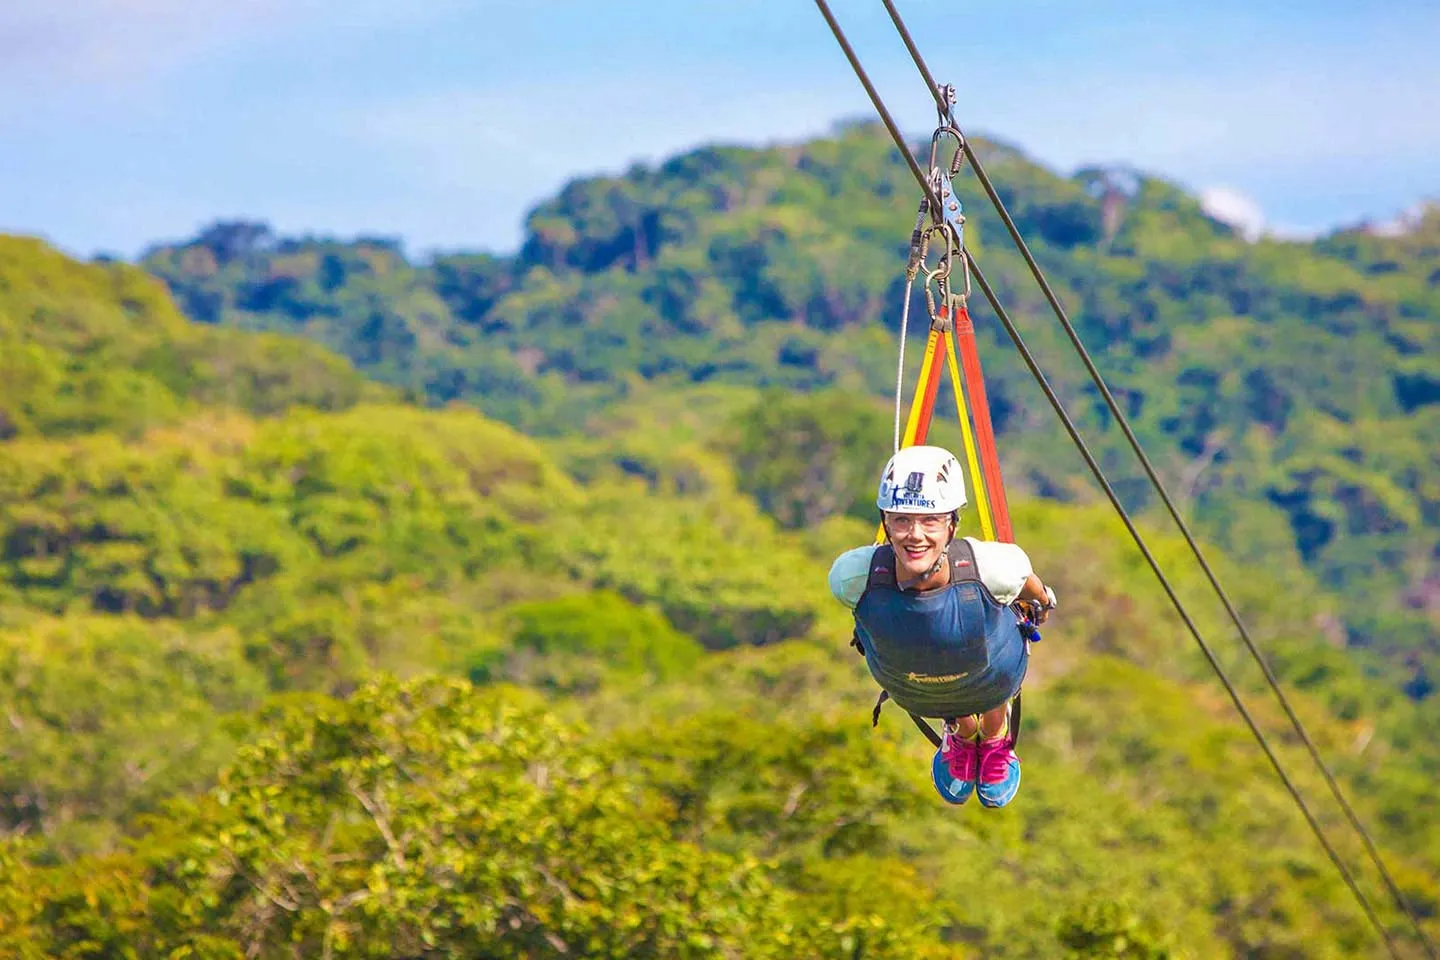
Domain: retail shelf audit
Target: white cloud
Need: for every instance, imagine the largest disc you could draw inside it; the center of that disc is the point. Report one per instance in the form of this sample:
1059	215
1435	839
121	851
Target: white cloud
1229	205
1408	221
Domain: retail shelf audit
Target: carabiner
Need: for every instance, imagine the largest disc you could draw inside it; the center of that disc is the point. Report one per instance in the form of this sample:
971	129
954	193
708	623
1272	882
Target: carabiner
940	317
957	159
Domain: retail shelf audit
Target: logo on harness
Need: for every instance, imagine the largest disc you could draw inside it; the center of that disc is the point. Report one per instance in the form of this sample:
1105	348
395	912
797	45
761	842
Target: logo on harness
926	678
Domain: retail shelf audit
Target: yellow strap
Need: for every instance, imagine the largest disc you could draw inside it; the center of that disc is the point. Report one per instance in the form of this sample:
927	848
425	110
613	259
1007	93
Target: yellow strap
912	425
972	458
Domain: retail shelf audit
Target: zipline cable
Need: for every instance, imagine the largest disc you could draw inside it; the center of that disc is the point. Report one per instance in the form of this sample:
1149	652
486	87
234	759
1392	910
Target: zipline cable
1124	423
1095	468
1175	600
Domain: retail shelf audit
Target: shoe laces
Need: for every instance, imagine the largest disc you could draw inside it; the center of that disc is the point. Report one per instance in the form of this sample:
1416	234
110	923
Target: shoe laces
995	757
961	755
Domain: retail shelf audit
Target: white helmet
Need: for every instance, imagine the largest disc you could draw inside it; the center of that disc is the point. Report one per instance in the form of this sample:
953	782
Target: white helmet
922	480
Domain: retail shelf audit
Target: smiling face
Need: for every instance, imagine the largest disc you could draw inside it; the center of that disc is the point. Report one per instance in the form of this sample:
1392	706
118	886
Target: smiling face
918	540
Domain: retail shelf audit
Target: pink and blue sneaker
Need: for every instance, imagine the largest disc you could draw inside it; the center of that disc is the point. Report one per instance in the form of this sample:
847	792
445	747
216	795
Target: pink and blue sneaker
955	767
999	771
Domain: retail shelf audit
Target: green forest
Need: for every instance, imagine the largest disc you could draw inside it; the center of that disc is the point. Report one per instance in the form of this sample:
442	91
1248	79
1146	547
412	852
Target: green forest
1287	391
356	606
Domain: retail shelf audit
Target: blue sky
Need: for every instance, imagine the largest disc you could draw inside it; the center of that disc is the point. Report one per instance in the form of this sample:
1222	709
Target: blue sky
125	122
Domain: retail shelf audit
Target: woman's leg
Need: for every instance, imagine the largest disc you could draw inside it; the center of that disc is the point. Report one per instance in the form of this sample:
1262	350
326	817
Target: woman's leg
988	725
993	722
966	727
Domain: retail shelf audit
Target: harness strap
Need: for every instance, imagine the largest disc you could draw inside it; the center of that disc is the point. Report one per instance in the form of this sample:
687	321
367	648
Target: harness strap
1013	722
964	338
960	554
929	731
972	459
922	405
920	722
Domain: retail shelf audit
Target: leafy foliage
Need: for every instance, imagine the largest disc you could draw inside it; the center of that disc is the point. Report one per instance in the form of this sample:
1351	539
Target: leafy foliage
1287	391
190	573
191	521
808	457
573	643
102	347
1107	929
424	820
108	716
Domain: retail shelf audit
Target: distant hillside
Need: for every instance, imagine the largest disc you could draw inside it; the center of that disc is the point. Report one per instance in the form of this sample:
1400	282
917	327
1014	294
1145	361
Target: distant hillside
387	680
102	347
1289	392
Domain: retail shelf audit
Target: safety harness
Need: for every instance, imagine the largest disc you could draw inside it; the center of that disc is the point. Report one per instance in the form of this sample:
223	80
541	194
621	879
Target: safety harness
960	555
950	325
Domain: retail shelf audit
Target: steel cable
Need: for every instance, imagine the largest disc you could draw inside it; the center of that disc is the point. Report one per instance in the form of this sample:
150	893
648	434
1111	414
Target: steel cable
1123	421
1096	469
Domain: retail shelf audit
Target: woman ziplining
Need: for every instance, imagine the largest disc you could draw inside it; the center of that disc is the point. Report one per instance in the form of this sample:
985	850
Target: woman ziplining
944	100
935	618
945	624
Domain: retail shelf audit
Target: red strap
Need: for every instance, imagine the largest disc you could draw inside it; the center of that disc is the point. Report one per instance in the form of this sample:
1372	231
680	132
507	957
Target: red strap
984	432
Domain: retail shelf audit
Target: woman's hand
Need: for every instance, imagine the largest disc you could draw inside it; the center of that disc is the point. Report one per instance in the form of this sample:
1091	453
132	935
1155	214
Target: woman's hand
1039	599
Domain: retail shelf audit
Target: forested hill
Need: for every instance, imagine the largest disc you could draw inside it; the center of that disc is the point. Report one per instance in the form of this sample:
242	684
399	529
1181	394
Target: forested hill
91	348
300	669
1289	392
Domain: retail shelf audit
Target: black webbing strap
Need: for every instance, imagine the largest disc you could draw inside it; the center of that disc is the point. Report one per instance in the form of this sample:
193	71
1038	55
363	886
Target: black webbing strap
928	730
920	722
1015	720
935	738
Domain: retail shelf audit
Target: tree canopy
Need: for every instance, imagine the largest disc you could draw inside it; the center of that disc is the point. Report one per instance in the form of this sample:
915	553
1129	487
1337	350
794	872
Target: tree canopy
1287	391
293	665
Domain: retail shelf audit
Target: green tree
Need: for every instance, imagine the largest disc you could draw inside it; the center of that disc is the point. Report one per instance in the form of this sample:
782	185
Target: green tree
102	347
574	642
807	457
424	820
107	717
1104	928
